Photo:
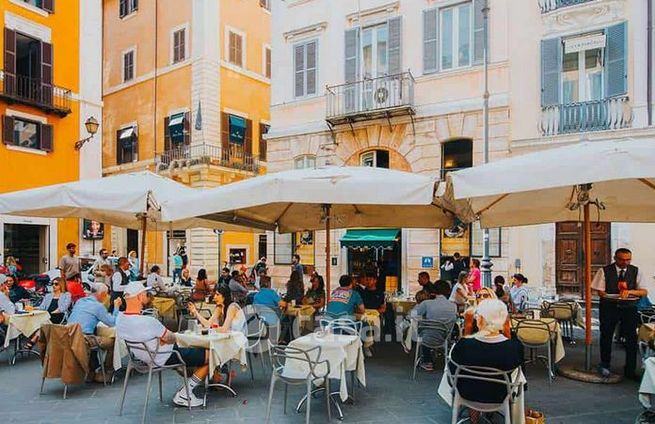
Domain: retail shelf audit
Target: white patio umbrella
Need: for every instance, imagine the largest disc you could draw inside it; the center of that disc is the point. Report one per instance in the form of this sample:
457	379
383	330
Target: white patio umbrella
136	201
616	178
323	198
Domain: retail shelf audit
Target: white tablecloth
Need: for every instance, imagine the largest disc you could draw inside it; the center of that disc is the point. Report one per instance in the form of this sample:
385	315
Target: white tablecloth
25	324
120	348
223	347
343	353
517	405
647	387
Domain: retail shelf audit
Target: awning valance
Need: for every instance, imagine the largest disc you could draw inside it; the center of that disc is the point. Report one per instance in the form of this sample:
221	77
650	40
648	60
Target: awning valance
370	239
237	129
176	127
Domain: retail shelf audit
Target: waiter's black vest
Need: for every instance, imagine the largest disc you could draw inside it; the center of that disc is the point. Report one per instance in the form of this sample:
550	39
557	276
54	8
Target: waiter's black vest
125	279
612	278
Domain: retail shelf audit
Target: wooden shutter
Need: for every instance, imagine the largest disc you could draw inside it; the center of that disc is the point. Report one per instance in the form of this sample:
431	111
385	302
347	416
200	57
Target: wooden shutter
267	64
182	44
263	129
616	64
10	62
310	67
430	44
551	64
351	50
187	128
46	137
49	6
7	129
167	134
122	8
46	73
225	135
478	32
247	143
299	69
395	42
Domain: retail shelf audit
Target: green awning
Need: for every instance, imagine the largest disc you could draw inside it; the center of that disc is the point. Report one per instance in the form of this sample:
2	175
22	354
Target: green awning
237	129
176	128
370	239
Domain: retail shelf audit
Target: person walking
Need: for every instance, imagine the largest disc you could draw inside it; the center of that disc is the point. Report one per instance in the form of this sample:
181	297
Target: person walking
614	284
177	266
69	265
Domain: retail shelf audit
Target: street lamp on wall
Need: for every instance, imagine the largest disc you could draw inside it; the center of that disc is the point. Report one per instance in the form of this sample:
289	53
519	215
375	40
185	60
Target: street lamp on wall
91	125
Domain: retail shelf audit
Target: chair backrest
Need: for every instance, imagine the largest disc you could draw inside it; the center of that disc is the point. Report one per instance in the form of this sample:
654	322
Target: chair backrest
559	310
434	333
256	330
533	332
281	355
345	326
133	347
456	374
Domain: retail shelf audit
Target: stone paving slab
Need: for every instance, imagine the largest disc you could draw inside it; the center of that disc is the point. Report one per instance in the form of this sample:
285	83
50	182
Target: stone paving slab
390	397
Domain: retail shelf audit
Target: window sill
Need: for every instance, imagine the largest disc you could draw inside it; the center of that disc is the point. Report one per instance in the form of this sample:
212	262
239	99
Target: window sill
26	150
30	7
129	16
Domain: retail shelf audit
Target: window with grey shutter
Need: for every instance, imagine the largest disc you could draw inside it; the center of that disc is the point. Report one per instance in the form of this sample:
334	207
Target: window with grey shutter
394	49
310	65
430	45
478	32
551	64
351	51
616	64
299	70
305	65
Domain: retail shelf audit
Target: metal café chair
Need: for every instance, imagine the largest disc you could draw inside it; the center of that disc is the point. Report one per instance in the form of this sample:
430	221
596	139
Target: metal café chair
439	339
257	336
535	334
564	313
150	368
479	375
309	371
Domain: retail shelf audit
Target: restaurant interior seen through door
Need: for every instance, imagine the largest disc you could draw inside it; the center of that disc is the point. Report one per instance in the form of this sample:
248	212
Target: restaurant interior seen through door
376	253
29	245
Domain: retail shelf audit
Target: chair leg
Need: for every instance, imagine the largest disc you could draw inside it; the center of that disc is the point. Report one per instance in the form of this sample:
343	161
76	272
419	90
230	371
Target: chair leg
550	364
327	398
65	390
148	387
161	395
286	389
186	388
127	377
507	412
42	384
455	408
249	360
101	360
270	399
416	359
309	399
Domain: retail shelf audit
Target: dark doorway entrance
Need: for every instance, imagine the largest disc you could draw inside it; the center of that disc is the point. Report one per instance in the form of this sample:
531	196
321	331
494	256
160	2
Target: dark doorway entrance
28	245
132	241
570	258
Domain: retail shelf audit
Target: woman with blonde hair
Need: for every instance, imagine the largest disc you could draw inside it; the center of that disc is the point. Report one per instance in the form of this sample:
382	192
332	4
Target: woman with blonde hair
58	302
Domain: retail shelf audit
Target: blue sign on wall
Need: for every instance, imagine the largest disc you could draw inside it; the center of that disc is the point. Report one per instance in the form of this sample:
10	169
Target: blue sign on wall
427	262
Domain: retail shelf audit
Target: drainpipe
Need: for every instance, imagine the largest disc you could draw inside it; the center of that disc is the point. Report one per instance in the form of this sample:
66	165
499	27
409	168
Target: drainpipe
649	67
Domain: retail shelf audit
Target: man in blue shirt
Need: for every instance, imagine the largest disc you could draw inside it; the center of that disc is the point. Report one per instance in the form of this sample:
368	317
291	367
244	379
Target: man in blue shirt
267	301
344	300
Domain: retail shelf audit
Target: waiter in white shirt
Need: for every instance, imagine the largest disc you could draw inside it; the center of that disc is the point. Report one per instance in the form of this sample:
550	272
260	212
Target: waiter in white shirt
622	279
119	281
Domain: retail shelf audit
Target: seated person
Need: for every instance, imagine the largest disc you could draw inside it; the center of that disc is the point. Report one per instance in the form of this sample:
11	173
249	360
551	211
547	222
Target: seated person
225	277
518	294
203	286
266	296
88	312
238	288
502	292
344	300
373	299
437	309
75	288
460	293
488	347
134	327
427	287
295	290
185	278
315	296
155	282
7	307
58	302
227	316
16	292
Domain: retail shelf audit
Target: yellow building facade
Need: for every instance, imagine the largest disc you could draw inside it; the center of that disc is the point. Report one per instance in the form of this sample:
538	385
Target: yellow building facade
43	107
186	94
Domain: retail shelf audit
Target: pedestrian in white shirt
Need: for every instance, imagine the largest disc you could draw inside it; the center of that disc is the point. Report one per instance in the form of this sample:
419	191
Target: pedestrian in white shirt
155	282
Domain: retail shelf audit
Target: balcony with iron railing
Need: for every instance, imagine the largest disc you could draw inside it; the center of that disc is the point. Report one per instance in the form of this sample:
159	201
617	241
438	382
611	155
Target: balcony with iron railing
184	156
370	98
551	5
33	92
596	115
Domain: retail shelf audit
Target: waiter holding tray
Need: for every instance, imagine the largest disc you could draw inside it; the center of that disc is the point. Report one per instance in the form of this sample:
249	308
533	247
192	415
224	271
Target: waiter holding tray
618	286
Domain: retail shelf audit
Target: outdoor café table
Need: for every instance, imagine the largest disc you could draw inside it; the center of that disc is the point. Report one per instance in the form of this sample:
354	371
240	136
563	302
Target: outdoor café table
343	353
305	315
517	401
402	306
223	348
26	324
166	306
553	326
120	348
647	387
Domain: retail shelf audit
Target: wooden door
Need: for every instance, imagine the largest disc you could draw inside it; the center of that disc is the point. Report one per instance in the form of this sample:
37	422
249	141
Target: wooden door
570	257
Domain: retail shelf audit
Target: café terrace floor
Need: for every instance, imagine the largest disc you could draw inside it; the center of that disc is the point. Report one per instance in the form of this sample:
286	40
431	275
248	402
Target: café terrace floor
391	397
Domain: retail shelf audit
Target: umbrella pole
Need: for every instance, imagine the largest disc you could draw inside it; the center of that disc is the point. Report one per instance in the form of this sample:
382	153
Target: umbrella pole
144	226
326	208
587	285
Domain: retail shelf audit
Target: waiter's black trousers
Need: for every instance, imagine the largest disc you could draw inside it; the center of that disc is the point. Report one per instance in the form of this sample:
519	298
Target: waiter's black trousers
612	313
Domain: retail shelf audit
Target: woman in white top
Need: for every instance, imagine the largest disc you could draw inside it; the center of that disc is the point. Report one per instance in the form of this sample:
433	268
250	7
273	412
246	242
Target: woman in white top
460	292
227	316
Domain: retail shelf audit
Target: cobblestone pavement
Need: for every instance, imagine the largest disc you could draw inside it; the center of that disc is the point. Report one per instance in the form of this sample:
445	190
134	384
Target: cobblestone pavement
391	397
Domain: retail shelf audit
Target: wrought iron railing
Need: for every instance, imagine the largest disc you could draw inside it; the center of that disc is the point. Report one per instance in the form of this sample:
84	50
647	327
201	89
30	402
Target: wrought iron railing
596	115
32	91
550	5
369	95
189	155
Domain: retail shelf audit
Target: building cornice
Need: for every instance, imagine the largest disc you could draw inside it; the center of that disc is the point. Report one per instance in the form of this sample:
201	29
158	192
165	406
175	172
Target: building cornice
305	31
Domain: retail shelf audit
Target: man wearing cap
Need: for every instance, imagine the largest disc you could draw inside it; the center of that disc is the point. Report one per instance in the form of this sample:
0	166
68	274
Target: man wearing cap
69	265
131	326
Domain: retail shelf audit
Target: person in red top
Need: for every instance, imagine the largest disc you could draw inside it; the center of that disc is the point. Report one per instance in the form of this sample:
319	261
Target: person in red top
474	280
